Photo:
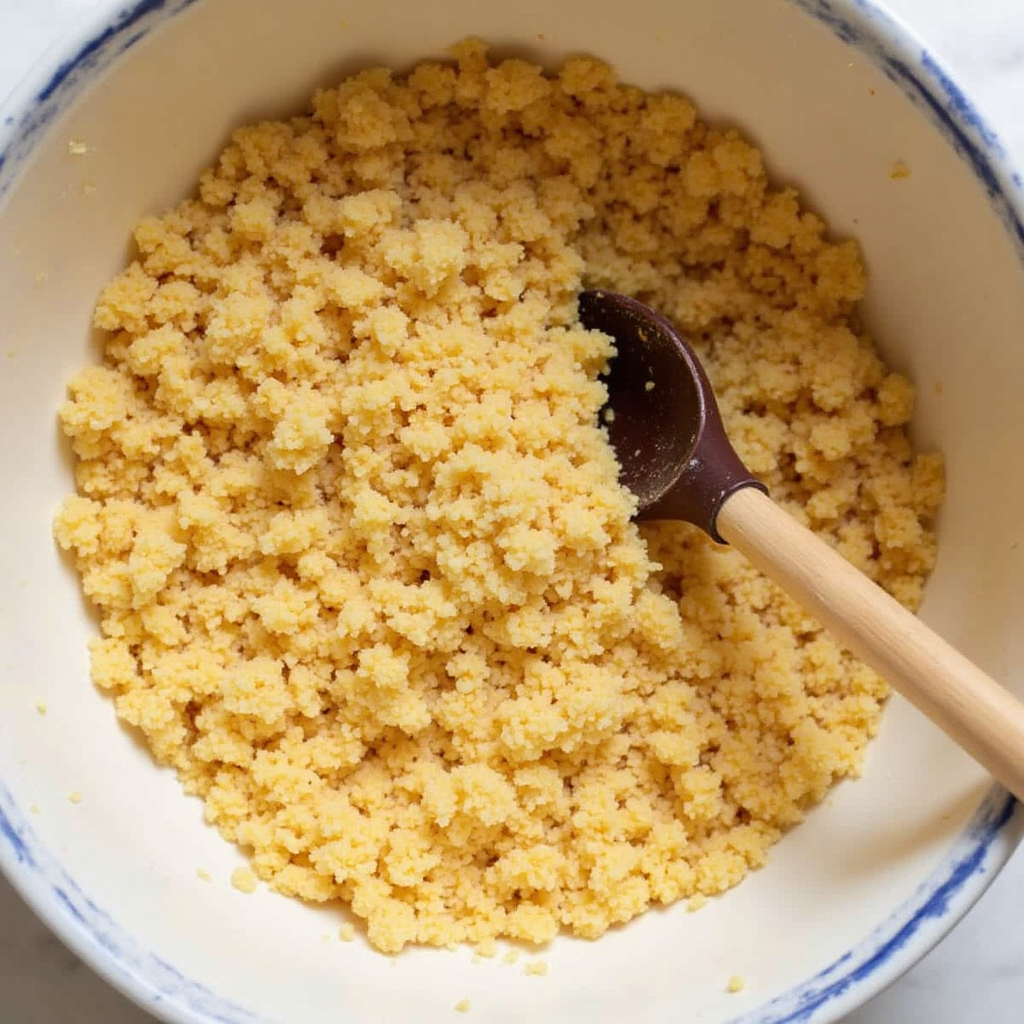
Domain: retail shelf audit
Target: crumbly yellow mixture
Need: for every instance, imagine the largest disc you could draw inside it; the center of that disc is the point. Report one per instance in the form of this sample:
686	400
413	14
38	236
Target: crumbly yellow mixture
366	576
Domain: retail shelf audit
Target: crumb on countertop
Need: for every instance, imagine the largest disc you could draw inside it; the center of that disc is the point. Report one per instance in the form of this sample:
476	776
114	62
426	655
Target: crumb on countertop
75	797
203	875
736	984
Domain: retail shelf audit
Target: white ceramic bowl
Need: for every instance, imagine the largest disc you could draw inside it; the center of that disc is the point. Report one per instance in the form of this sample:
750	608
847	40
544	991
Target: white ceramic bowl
835	92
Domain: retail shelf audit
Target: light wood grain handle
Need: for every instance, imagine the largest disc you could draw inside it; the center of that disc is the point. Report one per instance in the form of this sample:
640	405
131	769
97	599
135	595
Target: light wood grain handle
972	708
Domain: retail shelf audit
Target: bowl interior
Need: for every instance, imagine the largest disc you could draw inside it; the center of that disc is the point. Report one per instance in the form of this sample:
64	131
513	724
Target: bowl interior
946	304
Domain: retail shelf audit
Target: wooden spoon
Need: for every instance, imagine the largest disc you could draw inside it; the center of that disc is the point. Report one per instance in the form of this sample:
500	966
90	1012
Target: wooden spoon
675	457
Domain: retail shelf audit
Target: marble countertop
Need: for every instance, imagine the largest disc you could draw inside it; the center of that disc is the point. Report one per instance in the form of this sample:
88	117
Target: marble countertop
977	973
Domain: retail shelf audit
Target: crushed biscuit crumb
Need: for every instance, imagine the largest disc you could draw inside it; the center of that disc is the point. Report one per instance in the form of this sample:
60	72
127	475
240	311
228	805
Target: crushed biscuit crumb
75	797
736	984
76	147
244	880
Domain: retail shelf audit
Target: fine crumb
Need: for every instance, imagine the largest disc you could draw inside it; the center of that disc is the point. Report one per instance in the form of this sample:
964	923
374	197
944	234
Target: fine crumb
88	188
203	875
463	1006
536	968
75	797
76	147
649	386
609	415
736	984
35	809
511	958
366	574
347	933
41	277
244	880
899	171
42	707
696	902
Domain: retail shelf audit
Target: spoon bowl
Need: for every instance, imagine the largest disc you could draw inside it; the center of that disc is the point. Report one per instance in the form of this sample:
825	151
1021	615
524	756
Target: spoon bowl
657	381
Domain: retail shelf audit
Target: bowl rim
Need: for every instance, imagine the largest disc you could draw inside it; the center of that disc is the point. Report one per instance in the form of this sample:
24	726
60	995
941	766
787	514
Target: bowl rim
975	857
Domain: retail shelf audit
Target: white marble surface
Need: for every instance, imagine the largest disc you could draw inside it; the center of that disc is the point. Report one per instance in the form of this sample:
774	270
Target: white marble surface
977	974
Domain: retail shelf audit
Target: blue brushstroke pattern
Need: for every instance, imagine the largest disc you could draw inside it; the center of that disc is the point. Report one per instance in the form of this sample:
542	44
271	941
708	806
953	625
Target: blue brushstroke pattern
922	79
12	835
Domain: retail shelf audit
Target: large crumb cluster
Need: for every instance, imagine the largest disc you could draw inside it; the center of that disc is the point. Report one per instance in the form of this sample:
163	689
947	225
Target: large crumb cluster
366	576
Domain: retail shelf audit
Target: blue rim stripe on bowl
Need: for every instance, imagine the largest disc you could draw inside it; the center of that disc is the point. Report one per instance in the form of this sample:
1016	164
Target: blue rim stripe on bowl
973	861
91	933
44	100
884	955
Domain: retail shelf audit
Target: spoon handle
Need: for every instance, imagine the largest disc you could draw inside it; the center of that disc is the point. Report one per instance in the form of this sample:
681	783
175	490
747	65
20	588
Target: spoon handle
971	707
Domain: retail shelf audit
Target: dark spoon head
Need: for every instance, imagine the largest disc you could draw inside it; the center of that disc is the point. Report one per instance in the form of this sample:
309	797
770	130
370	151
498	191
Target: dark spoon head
656	405
661	416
